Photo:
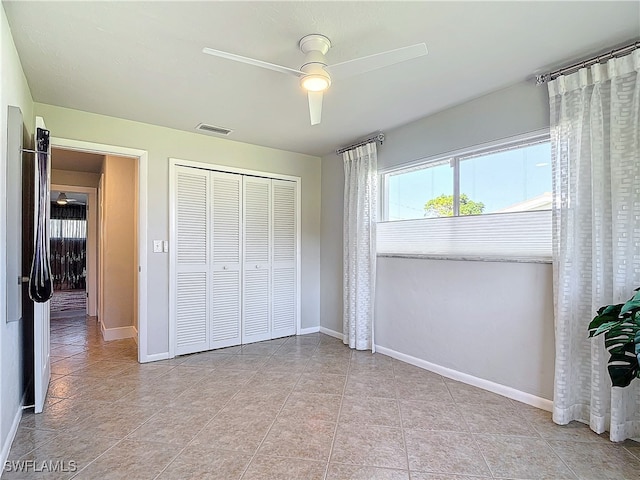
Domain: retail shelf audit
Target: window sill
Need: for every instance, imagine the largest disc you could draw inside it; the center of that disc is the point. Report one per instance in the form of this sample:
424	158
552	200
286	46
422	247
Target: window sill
467	258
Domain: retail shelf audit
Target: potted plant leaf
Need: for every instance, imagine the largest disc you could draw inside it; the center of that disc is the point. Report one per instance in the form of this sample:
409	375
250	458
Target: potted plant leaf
621	327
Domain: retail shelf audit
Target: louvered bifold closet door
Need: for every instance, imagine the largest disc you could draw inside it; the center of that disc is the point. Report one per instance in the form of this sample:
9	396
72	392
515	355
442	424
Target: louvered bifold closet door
192	214
226	237
256	289
284	259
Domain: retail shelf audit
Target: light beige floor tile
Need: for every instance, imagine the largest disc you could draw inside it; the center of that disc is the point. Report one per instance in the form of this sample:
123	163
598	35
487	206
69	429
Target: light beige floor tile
448	476
364	357
212	399
353	472
129	460
595	461
363	386
464	394
70	453
285	363
333	351
61	415
261	348
423	389
274	468
28	439
197	463
233	401
308	339
255	401
370	411
634	450
497	419
268	381
325	364
234	432
321	383
444	452
541	421
314	406
297	350
206	360
432	416
369	445
406	370
246	362
310	439
114	420
172	425
520	457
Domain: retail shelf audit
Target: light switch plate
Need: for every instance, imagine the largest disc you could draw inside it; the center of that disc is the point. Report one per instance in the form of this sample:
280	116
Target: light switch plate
157	246
165	246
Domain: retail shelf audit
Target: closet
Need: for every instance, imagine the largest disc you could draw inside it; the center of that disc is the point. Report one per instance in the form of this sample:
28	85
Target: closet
234	264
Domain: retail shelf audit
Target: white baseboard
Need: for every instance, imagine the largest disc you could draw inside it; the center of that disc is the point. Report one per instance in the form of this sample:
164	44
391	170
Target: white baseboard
135	336
308	330
500	389
331	333
154	357
6	446
118	333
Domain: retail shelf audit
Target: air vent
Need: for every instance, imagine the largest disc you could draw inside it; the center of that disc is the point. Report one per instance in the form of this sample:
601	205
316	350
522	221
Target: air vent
213	129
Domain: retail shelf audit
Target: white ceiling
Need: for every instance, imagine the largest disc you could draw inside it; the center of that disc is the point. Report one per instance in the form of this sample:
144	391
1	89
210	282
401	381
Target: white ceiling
142	60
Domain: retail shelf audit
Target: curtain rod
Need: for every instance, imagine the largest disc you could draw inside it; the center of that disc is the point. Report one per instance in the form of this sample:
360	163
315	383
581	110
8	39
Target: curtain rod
378	137
616	52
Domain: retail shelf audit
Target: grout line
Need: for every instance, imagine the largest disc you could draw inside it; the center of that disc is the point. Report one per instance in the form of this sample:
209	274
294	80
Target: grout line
404	437
280	410
473	436
335	431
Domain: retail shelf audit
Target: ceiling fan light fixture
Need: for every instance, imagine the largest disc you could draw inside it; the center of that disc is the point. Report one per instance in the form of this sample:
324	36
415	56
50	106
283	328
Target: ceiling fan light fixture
315	82
62	199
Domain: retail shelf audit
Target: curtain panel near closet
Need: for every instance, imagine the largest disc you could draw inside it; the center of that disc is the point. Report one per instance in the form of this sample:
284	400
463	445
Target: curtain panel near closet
595	134
360	210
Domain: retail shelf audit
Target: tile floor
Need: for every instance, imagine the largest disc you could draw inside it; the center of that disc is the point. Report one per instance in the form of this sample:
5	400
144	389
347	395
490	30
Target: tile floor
296	408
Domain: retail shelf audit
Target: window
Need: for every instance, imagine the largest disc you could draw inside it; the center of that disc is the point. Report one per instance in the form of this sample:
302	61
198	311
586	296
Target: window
498	198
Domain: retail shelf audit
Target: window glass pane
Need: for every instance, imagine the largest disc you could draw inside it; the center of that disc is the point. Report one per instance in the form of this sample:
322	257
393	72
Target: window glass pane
410	192
59	228
515	180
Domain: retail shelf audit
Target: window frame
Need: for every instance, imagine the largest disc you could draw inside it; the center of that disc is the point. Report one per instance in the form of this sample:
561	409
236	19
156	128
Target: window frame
454	158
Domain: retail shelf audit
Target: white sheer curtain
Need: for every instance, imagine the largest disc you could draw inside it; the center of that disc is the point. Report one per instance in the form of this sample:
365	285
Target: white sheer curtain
595	134
360	211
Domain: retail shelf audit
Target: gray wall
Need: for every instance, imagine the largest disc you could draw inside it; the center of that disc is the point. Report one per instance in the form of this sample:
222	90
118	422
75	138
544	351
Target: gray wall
490	320
164	143
14	90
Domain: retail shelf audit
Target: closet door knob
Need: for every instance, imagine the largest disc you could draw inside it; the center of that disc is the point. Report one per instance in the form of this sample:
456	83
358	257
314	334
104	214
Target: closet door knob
225	267
257	266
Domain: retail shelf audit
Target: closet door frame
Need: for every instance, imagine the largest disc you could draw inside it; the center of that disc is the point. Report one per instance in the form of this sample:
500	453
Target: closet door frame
175	162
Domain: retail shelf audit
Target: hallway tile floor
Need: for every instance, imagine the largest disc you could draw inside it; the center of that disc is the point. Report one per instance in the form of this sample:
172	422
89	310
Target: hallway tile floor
295	408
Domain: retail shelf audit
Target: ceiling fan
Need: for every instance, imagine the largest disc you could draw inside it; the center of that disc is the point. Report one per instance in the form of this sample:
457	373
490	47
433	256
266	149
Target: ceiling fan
316	76
64	200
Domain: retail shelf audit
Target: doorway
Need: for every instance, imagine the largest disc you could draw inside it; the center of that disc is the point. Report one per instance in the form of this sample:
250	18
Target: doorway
69	252
139	159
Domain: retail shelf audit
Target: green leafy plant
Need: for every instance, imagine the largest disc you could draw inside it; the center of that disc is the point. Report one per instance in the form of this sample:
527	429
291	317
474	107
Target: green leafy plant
442	206
621	327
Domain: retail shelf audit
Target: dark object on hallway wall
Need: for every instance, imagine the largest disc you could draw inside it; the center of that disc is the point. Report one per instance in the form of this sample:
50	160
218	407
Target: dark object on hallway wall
40	284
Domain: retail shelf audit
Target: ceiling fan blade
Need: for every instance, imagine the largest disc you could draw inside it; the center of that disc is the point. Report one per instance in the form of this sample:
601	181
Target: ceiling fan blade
252	61
315	107
361	65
